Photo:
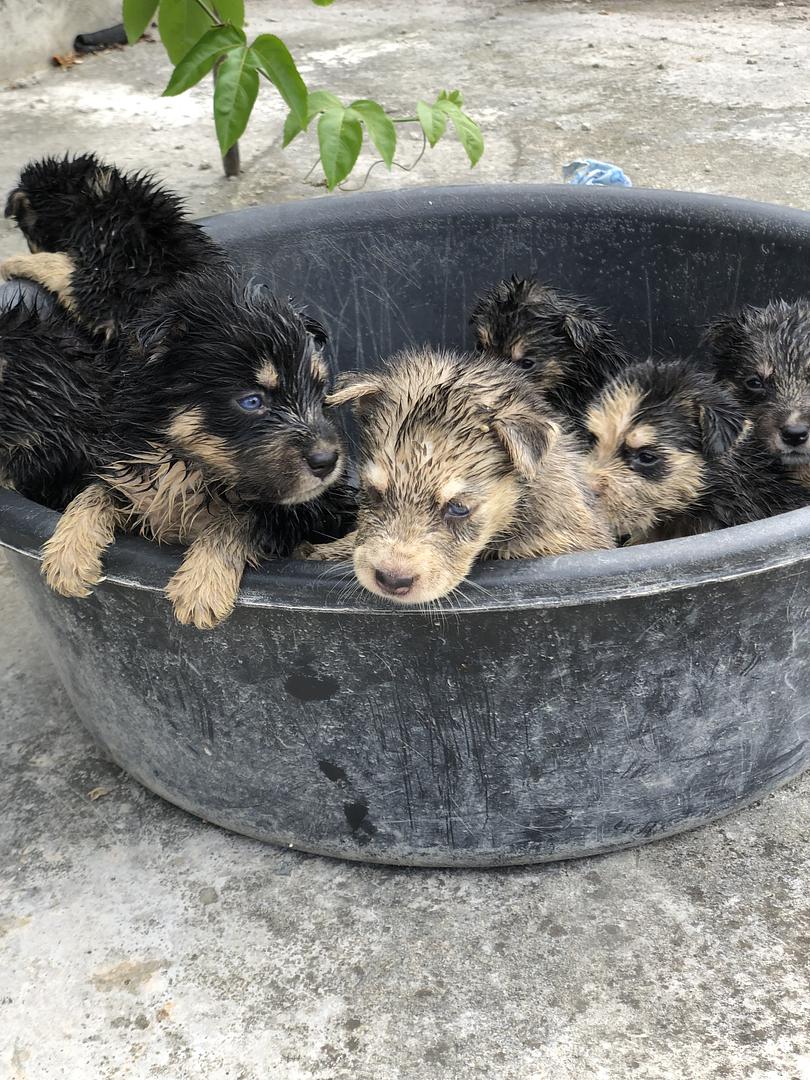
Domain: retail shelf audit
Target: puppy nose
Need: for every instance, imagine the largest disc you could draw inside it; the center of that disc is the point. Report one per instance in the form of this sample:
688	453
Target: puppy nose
395	584
795	434
321	462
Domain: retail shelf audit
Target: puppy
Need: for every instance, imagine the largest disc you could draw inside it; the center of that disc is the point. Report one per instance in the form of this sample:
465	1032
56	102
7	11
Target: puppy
565	345
104	242
671	455
459	459
217	438
52	419
763	355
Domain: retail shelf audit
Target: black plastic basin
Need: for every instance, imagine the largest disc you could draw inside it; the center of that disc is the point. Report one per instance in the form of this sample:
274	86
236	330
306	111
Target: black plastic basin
576	704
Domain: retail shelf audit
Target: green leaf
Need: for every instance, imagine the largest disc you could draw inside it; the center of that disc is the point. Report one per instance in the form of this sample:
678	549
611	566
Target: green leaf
340	136
433	121
323	3
137	16
231	11
380	129
201	57
237	84
183	22
469	133
451	95
292	129
319	101
273	57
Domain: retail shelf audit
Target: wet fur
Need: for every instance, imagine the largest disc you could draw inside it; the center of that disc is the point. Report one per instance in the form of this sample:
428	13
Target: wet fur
712	469
562	343
771	343
122	238
182	462
52	414
442	426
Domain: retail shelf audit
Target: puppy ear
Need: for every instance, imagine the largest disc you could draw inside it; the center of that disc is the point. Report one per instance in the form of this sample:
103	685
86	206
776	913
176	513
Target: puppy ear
721	425
582	332
526	437
18	205
353	386
316	330
152	340
725	336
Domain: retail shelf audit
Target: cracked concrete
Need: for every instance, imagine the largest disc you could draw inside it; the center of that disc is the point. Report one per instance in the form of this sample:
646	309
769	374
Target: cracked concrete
139	942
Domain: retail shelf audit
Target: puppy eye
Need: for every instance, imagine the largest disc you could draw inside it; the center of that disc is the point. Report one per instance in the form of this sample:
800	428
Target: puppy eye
525	363
456	510
374	496
647	457
754	382
251	402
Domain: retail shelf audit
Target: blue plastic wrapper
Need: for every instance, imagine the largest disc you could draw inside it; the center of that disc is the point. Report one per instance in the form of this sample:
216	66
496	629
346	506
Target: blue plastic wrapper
589	171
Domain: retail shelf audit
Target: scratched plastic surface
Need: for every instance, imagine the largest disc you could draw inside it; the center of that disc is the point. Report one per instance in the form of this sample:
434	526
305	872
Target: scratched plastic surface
568	706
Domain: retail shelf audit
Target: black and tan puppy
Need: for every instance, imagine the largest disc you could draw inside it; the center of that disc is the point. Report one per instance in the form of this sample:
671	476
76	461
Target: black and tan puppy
763	354
52	411
671	455
218	438
563	344
460	459
105	242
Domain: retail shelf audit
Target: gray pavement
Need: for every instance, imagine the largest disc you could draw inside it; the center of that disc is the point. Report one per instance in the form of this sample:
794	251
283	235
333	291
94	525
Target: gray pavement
138	942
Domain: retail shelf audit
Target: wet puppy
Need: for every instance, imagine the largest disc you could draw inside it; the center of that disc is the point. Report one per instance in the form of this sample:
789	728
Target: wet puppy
670	455
566	346
104	242
459	459
217	438
52	418
763	354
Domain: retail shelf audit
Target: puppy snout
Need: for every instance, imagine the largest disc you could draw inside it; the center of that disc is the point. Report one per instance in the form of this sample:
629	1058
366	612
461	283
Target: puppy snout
394	582
794	434
321	462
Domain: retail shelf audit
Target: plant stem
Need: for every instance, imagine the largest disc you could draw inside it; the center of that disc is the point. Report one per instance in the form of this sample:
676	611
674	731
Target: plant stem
230	162
214	18
404	120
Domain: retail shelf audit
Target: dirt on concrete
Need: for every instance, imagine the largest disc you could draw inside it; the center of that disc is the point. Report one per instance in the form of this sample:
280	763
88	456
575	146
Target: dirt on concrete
138	942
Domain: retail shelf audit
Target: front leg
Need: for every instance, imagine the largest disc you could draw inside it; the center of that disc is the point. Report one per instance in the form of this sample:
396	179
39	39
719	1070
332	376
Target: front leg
203	591
72	557
53	270
336	550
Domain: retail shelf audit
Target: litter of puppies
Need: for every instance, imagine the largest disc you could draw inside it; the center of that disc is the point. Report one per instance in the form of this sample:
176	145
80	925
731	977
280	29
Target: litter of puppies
164	393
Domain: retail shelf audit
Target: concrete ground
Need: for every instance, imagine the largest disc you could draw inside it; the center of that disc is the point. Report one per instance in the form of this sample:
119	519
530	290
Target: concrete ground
139	942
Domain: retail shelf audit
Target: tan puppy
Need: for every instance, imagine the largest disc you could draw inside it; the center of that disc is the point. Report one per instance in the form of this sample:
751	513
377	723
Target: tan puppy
459	459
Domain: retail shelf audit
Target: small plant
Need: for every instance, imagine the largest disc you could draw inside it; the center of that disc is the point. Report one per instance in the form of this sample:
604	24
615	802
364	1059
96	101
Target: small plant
201	36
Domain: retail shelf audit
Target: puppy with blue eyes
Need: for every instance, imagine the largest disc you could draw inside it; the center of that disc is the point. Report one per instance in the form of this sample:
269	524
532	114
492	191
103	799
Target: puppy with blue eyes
460	459
217	438
671	454
563	344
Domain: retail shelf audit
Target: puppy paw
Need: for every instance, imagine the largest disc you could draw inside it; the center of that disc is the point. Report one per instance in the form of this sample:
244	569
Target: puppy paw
16	266
332	552
305	550
200	599
67	573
